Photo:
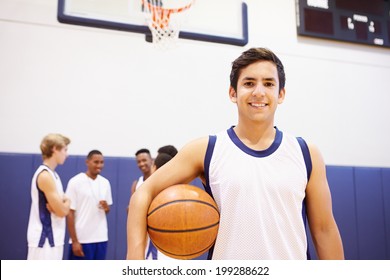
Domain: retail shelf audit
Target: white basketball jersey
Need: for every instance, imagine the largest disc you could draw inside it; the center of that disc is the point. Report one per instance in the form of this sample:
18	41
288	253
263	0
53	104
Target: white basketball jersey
260	195
139	182
44	226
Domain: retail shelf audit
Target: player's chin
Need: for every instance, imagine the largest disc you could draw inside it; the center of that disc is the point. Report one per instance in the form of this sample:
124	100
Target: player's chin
144	169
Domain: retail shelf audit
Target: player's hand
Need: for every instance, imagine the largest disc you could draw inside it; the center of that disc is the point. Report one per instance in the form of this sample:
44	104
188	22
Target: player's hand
103	205
49	208
77	249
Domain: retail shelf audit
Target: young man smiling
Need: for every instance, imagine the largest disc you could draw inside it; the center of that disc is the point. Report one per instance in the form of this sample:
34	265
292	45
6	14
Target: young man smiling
265	182
91	198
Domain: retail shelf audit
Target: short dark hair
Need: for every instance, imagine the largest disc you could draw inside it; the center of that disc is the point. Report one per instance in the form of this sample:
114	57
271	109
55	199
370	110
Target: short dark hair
93	152
141	151
168	149
162	159
254	55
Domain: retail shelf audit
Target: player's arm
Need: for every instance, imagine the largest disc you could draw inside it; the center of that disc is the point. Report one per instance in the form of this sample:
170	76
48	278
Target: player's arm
58	204
324	231
183	168
133	186
76	246
132	190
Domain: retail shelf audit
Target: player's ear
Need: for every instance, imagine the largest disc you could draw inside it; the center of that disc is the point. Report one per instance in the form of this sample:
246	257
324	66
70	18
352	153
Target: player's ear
232	94
282	94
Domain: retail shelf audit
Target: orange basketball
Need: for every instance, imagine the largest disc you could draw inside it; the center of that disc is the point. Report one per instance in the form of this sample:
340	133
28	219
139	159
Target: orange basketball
183	221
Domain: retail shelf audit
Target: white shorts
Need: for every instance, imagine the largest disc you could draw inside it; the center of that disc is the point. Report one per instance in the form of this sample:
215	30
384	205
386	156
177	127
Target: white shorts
46	252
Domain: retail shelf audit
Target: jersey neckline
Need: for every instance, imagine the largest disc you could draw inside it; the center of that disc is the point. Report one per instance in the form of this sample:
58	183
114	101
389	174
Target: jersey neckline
256	153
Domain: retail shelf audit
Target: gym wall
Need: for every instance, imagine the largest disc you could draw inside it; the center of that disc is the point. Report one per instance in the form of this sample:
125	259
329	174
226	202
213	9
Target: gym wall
361	205
112	91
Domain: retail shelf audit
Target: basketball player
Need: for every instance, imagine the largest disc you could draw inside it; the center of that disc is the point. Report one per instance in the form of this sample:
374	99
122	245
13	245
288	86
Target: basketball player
90	195
264	181
145	164
161	159
168	149
49	205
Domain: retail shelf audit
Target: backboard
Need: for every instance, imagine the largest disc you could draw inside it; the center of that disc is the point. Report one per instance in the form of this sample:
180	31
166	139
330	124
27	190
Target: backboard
217	21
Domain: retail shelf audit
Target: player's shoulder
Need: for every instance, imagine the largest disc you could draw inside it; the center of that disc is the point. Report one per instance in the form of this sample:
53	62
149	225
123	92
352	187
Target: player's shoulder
312	147
313	153
45	180
193	151
77	178
195	144
104	179
44	175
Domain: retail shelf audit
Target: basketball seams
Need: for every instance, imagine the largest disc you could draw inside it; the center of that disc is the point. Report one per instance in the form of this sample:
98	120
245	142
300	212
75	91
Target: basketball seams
183	230
183	221
182	200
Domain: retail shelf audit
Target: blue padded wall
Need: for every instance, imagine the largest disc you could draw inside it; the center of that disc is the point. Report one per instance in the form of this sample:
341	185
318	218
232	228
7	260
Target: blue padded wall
127	173
15	179
342	186
370	213
386	202
361	204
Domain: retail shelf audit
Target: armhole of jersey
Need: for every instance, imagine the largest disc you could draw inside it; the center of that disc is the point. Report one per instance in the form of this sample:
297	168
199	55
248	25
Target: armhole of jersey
36	179
207	159
306	156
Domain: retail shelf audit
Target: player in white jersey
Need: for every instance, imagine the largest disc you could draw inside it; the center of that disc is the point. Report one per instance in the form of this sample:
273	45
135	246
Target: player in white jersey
265	182
150	250
49	206
248	188
144	163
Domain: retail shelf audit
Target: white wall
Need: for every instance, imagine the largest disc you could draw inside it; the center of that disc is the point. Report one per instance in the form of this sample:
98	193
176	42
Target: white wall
112	91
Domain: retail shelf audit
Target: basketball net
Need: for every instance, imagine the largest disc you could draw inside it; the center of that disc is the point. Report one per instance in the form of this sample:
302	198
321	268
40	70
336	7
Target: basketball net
164	18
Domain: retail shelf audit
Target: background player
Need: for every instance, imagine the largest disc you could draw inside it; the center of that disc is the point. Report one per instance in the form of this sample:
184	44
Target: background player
90	195
49	206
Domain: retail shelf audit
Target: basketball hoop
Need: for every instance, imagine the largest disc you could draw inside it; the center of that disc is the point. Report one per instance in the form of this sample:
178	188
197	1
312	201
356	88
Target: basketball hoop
164	18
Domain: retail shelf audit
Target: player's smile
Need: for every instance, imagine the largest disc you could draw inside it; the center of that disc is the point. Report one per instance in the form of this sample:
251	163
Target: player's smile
259	105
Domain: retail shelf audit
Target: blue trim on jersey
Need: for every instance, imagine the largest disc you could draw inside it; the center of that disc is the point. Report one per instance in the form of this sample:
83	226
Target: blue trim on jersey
264	153
309	167
306	156
152	250
304	218
207	159
45	217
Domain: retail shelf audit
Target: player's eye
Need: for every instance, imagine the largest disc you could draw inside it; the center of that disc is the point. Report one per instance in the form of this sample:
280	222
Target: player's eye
249	84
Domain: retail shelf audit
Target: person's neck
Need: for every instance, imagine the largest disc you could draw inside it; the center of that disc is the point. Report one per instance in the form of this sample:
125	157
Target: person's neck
90	175
51	163
256	136
147	175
